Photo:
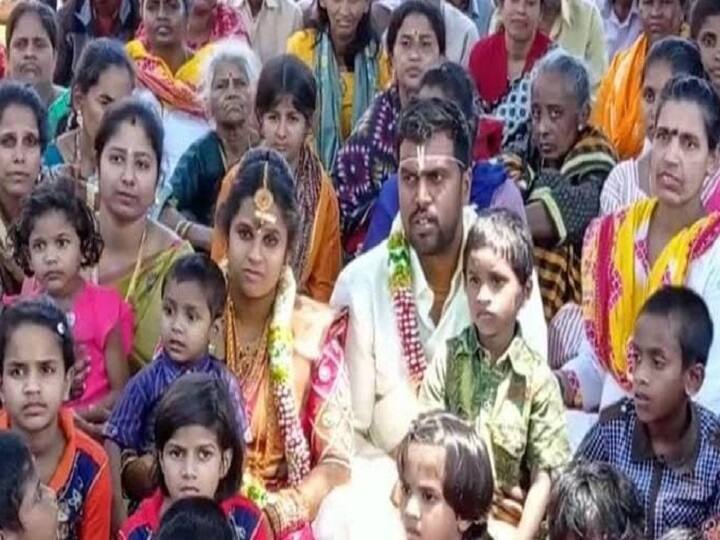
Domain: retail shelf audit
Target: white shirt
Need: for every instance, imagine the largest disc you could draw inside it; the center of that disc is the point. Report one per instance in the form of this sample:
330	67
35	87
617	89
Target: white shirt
384	403
270	30
619	35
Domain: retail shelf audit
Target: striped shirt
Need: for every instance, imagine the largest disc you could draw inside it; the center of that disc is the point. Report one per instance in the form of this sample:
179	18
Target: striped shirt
132	422
682	492
81	481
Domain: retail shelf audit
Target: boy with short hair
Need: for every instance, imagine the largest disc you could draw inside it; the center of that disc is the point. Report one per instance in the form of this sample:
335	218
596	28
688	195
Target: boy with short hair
665	443
193	300
594	500
36	359
489	376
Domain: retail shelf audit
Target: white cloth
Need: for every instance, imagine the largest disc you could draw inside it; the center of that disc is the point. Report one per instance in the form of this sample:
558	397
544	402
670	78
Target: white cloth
619	35
383	402
273	25
599	389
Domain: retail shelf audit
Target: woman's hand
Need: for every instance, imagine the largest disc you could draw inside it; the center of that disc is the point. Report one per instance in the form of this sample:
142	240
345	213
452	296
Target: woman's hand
81	370
509	503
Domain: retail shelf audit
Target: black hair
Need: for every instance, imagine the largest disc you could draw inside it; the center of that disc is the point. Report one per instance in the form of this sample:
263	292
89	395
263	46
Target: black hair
200	399
700	12
682	534
700	92
594	500
42	11
56	195
43	312
16	470
468	484
286	75
23	95
681	55
201	269
423	118
136	112
693	325
416	7
507	236
97	57
193	518
249	179
455	84
364	34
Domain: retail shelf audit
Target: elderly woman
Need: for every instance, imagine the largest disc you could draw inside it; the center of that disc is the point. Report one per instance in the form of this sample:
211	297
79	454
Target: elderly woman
346	59
561	173
415	41
618	109
229	75
32	40
105	74
630	254
501	64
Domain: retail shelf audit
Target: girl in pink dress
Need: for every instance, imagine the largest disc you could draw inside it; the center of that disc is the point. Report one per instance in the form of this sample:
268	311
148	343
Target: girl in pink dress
55	237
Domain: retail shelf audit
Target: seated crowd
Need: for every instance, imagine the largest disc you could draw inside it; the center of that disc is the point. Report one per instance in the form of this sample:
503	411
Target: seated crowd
342	269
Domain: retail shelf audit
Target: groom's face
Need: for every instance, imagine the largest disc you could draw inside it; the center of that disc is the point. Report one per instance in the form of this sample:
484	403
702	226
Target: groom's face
433	187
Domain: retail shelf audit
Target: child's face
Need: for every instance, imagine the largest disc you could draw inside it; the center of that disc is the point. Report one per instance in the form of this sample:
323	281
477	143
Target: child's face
34	380
193	464
38	513
187	324
494	293
55	255
660	384
426	515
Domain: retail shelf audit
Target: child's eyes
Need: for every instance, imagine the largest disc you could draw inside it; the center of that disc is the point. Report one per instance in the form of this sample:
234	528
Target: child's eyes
48	370
205	454
428	496
174	453
16	372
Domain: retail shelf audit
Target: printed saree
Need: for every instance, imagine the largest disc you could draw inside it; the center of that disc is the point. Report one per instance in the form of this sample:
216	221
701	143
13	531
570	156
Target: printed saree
571	196
499	96
146	299
364	163
615	286
177	90
313	377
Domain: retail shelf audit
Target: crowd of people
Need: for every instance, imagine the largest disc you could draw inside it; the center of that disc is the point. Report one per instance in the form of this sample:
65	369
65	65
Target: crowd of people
350	269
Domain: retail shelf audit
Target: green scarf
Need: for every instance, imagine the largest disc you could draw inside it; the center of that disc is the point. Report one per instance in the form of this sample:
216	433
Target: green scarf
328	127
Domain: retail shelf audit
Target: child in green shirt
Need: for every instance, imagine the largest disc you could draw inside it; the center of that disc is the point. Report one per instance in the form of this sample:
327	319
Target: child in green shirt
489	376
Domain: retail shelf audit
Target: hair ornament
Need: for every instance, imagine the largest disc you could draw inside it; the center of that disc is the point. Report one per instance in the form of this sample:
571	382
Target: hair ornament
264	200
61	329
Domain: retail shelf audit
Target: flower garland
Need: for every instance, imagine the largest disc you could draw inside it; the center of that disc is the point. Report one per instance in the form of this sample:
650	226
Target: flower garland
280	351
404	303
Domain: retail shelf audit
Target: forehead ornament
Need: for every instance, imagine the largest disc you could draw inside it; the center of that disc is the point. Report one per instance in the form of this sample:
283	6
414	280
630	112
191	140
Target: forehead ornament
264	200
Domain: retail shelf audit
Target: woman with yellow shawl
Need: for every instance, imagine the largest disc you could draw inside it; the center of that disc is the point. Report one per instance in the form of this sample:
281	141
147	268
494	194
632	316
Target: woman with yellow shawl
170	71
138	251
285	105
668	240
346	58
618	107
287	352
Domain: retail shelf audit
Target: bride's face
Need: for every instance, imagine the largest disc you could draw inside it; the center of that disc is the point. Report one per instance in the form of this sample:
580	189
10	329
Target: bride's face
257	251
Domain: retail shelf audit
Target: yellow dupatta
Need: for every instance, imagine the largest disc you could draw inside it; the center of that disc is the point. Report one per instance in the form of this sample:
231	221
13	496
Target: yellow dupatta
178	90
614	292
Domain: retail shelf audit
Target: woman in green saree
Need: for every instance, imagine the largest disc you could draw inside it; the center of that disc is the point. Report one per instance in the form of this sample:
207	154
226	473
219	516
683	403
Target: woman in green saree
138	250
